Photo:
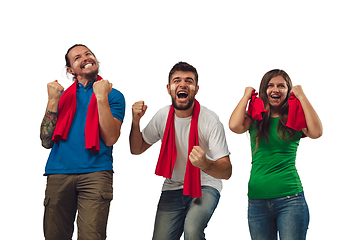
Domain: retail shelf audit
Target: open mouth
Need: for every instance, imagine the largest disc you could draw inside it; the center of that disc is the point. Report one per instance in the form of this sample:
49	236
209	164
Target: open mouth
182	95
86	65
275	96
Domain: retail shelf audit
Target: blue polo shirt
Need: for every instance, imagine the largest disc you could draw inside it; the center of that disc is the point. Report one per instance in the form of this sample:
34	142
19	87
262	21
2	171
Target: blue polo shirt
70	155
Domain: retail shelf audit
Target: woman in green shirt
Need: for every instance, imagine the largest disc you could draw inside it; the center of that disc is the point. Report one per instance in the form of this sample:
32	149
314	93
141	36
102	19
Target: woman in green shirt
276	198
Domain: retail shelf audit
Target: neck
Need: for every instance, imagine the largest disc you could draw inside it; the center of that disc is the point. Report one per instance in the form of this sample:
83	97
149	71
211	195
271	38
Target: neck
184	113
274	112
85	81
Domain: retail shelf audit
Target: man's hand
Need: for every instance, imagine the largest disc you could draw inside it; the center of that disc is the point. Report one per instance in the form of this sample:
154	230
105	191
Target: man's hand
138	110
54	93
137	143
54	90
102	88
198	158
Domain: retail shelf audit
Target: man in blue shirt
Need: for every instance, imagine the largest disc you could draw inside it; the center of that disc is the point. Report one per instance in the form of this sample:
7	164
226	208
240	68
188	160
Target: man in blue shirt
79	178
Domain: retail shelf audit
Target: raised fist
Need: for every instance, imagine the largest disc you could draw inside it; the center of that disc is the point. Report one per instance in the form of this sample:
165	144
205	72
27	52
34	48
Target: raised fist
54	90
138	110
102	88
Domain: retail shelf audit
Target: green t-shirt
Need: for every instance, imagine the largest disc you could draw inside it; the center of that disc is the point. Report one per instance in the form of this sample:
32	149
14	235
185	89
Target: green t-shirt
273	171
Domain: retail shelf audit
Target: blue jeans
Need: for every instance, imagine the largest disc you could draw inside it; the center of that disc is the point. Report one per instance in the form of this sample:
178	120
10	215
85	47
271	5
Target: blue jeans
288	215
177	213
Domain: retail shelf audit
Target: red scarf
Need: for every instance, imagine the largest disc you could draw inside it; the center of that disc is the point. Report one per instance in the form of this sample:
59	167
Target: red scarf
168	153
296	118
66	113
256	107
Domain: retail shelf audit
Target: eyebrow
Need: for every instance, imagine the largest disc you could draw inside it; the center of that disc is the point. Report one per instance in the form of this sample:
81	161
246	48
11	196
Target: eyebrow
185	78
88	51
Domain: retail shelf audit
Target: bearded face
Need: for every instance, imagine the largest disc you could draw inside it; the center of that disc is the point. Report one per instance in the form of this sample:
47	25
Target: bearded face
83	63
182	90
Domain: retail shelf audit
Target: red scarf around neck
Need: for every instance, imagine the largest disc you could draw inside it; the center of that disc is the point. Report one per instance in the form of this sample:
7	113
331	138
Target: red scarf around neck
256	107
296	117
66	113
168	153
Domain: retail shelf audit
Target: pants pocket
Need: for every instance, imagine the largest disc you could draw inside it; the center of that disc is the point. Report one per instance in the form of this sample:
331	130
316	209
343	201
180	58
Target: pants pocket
46	201
106	195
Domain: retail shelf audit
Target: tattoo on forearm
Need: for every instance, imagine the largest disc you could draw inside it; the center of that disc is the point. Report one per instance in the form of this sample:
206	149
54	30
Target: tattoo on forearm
47	129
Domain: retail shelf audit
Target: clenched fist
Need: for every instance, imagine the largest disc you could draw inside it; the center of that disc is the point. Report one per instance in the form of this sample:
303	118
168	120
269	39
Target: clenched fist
298	91
198	157
248	92
102	88
54	90
138	110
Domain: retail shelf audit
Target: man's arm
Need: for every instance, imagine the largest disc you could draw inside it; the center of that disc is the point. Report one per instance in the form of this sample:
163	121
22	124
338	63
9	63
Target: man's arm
50	119
109	126
220	169
47	129
137	143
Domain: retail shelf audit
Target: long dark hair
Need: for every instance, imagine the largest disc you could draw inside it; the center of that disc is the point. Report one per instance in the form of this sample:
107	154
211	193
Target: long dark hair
263	126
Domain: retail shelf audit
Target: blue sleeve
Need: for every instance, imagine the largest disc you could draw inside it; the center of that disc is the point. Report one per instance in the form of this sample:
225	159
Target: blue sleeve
117	104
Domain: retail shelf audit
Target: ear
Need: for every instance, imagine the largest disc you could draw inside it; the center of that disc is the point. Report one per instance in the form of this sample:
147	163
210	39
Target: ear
168	88
196	89
69	70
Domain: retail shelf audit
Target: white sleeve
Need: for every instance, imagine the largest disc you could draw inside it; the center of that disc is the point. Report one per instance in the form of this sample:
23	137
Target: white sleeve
213	135
154	131
217	142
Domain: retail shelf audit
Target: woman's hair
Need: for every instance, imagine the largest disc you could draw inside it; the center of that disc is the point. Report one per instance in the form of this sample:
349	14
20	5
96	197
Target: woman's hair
263	125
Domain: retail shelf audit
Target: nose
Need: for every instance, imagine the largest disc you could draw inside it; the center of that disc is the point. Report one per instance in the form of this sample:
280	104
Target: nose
182	84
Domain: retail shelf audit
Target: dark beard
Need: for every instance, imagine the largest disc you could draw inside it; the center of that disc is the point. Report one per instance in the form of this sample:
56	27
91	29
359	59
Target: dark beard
93	75
186	107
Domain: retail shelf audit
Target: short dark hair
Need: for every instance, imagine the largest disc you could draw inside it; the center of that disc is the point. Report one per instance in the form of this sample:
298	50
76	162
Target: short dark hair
183	67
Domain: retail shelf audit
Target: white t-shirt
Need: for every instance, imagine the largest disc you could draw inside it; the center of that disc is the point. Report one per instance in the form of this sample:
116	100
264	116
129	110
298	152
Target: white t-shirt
211	139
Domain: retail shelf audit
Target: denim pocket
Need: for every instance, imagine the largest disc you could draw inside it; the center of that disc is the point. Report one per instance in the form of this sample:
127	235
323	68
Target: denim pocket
173	200
296	199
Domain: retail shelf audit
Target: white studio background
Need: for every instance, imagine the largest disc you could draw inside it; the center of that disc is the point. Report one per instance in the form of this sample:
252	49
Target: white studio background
232	44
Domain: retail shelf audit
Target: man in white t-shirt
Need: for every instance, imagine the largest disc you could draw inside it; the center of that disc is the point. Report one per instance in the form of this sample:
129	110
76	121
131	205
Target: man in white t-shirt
184	206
